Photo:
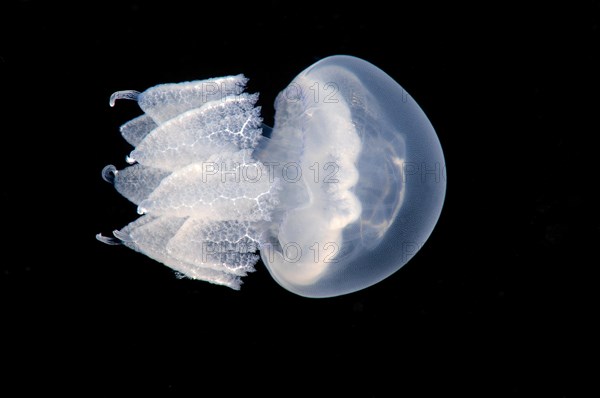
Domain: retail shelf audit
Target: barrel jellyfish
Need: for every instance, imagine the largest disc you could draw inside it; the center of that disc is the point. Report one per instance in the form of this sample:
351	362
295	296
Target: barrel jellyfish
344	189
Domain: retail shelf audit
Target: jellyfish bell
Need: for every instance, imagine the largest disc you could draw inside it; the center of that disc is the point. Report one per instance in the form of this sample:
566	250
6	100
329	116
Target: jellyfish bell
379	190
345	189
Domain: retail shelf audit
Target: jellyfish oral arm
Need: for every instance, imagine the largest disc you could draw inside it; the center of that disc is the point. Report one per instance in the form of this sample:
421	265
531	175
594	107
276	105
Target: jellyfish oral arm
201	216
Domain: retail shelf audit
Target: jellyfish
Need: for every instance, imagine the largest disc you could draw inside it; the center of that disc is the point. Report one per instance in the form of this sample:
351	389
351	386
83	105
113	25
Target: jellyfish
342	192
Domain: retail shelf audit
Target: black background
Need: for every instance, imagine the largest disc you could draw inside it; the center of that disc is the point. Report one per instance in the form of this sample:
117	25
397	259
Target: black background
499	302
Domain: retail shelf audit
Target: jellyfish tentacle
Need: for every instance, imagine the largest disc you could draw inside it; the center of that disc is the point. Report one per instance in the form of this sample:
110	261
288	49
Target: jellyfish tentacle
125	94
108	240
109	172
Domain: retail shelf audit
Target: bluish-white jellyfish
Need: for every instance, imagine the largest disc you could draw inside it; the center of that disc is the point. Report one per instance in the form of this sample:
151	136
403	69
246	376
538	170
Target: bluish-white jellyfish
342	191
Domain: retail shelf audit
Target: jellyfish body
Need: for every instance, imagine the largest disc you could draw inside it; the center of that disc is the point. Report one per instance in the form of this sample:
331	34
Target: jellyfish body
346	188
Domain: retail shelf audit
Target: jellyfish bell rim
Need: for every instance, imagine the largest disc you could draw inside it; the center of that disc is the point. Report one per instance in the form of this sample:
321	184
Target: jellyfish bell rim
423	199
